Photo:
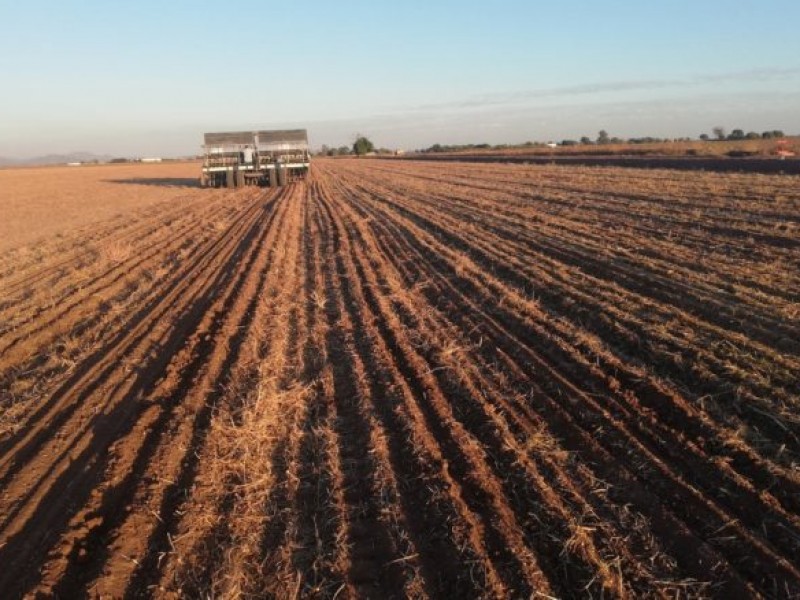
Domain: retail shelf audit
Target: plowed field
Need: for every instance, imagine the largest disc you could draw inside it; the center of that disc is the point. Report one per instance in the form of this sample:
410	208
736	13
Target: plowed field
409	379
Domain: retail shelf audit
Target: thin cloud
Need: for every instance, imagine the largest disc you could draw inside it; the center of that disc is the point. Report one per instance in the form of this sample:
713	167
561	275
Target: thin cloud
751	75
572	90
487	100
667	116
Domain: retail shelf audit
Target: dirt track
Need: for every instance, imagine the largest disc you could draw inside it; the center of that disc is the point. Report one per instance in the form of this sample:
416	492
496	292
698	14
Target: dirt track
410	379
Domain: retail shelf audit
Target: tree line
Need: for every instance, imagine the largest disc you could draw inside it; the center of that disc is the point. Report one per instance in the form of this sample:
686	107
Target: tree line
361	147
739	134
603	139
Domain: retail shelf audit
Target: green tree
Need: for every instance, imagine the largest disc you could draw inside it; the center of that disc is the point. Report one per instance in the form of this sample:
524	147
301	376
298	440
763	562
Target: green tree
586	141
603	138
362	145
704	137
736	134
719	133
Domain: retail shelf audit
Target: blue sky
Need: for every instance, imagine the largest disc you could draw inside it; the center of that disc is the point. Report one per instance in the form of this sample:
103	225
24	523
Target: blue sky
149	77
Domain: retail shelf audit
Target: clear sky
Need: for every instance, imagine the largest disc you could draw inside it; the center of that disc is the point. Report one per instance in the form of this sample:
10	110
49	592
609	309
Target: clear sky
148	77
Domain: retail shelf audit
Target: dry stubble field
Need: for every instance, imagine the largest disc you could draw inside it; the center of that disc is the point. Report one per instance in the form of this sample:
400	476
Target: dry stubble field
401	379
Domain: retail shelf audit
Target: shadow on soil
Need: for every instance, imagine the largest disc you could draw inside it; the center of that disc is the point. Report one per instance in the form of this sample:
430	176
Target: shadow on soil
716	164
190	182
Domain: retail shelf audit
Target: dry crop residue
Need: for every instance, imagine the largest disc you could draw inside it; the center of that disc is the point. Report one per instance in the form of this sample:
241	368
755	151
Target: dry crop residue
411	379
38	204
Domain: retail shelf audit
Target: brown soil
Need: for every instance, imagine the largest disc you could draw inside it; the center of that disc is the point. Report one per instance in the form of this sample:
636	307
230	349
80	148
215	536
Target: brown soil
406	379
40	203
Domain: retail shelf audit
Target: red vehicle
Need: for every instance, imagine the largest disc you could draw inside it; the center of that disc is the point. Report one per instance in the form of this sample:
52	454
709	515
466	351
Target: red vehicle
782	149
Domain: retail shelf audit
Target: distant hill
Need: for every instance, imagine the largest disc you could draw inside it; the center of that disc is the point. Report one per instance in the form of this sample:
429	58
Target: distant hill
54	159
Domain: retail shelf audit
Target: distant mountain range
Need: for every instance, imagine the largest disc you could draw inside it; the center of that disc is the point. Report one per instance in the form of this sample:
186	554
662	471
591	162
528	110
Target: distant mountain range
54	159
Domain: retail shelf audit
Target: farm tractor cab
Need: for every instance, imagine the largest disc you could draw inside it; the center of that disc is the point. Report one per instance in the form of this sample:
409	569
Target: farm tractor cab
266	158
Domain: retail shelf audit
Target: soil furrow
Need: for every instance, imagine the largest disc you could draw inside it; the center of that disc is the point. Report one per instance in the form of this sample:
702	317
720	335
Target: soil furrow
407	379
115	418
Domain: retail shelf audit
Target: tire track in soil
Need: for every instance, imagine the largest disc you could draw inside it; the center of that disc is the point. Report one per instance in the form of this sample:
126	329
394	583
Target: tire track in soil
309	545
278	528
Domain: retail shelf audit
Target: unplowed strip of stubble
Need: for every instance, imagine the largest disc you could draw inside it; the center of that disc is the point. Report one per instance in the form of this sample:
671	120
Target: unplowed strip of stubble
226	339
212	548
